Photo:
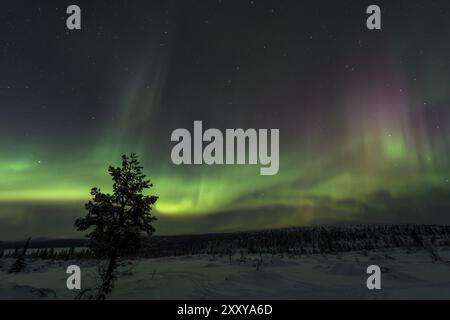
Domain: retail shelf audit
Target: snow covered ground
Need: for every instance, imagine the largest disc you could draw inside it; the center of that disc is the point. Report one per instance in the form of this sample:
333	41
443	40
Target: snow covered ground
407	274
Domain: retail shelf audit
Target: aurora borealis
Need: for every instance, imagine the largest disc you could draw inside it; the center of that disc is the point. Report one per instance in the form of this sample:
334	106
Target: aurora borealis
363	115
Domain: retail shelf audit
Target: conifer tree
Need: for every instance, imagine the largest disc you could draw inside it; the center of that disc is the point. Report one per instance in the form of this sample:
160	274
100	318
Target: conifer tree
118	223
19	264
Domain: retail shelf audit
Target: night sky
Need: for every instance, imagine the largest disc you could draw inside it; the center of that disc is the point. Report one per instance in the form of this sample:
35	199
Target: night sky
364	116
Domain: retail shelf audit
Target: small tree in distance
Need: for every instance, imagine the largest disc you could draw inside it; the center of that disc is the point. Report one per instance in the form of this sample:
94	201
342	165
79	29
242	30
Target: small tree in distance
20	264
119	222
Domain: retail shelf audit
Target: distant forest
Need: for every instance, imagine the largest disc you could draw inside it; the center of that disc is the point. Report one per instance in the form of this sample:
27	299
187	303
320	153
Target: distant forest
291	241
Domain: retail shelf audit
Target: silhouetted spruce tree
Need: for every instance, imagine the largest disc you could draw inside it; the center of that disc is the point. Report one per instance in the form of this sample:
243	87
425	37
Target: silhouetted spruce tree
19	264
119	222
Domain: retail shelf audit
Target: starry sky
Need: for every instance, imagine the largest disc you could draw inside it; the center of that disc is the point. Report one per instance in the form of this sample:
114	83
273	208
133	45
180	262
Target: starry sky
363	115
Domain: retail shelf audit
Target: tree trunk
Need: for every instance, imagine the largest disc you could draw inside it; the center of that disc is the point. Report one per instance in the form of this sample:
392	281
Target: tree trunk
108	280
